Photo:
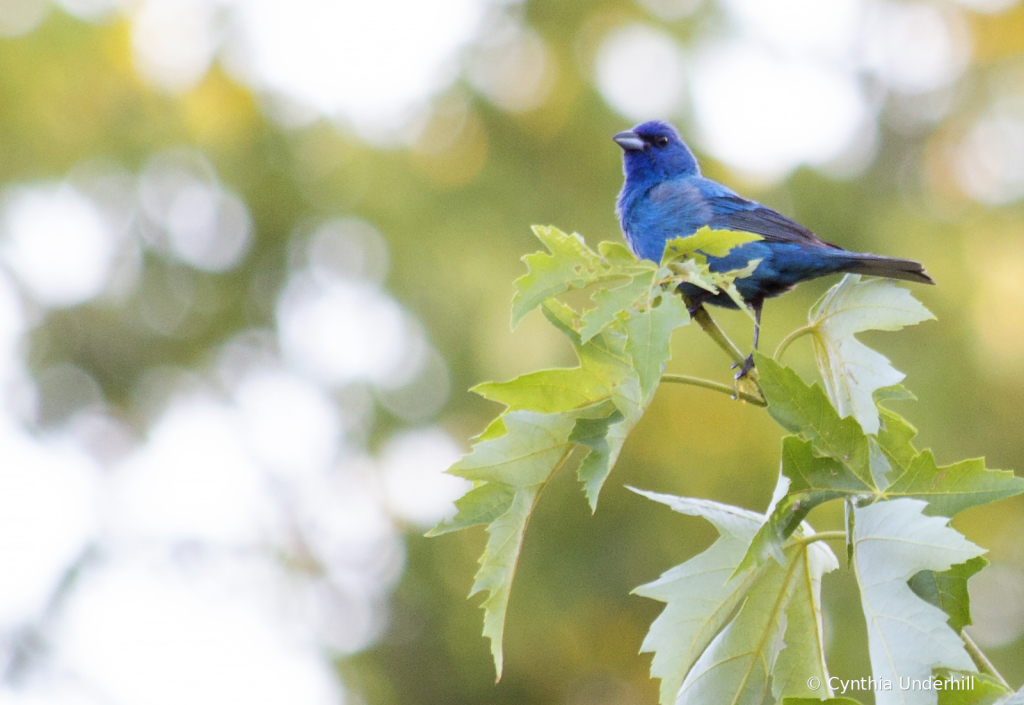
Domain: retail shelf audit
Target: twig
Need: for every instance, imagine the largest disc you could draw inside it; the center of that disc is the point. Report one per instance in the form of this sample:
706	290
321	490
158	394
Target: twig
798	333
981	660
716	386
820	536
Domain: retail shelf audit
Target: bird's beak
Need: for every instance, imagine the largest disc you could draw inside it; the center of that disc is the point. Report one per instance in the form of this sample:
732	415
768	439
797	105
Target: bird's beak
629	141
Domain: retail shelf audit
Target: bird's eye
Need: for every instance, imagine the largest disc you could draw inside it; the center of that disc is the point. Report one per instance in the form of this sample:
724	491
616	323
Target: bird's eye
661	141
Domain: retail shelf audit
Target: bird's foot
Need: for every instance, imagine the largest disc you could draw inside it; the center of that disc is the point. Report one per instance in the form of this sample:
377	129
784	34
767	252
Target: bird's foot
748	366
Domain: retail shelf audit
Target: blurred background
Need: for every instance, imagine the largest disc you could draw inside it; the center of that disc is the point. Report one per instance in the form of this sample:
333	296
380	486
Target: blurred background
253	252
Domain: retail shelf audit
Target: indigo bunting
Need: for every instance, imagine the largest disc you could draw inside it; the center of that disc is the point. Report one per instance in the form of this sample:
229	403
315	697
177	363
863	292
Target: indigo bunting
664	197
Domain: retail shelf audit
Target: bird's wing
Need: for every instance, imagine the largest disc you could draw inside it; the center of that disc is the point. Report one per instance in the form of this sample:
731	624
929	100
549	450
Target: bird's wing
737	213
685	205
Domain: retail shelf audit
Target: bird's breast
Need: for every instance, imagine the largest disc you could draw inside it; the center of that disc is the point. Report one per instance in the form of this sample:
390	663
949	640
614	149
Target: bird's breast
651	215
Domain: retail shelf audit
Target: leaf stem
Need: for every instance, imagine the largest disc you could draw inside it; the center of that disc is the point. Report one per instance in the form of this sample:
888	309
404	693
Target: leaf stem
798	333
981	660
716	386
820	536
708	325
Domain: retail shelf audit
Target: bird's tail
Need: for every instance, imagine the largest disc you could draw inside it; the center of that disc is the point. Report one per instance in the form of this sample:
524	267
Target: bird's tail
891	267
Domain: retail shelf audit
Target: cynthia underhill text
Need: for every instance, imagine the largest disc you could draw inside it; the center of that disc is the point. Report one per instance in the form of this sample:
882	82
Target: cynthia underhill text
844	686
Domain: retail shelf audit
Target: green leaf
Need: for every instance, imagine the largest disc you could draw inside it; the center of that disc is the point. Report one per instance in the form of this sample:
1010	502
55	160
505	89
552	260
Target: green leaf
851	371
498	565
815	701
978	689
894	439
549	391
533	446
648	335
907	637
602	452
716	243
571	265
739	664
950	489
806	411
481	505
813	480
803	657
695	665
700	596
726	282
1013	698
611	304
948	590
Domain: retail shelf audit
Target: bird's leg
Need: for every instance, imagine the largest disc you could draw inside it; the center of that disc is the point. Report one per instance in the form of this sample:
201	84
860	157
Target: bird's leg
748	363
708	325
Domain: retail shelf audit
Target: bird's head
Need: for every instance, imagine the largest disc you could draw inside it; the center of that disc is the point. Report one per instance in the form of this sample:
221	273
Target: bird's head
654	149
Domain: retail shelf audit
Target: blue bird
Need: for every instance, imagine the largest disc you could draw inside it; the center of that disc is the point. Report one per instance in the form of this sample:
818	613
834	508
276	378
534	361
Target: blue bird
664	197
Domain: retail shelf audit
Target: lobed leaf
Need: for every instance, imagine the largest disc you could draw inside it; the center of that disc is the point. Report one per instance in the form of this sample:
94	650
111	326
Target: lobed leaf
481	505
851	371
613	304
705	654
907	636
950	489
805	410
530	450
570	265
948	590
498	565
813	480
648	335
803	657
716	243
986	690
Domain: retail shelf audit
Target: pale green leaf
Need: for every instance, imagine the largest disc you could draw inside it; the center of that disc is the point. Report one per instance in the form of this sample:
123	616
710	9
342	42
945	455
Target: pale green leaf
701	652
737	666
816	701
649	334
611	304
907	637
549	391
481	505
851	371
700	598
973	689
531	449
570	265
729	520
595	467
498	564
803	657
616	253
1013	698
715	243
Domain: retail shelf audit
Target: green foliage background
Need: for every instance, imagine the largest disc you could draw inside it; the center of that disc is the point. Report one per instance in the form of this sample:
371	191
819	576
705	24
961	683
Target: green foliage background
457	223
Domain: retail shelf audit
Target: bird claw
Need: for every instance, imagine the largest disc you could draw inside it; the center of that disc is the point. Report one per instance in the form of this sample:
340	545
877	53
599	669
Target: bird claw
748	365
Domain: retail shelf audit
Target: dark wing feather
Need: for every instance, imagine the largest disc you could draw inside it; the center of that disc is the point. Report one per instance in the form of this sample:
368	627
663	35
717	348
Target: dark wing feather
737	213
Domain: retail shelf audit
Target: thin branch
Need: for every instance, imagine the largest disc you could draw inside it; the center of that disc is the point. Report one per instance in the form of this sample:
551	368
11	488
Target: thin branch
716	386
798	333
981	660
820	536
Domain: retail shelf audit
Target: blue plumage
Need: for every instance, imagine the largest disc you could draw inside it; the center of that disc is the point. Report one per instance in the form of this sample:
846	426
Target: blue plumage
664	197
